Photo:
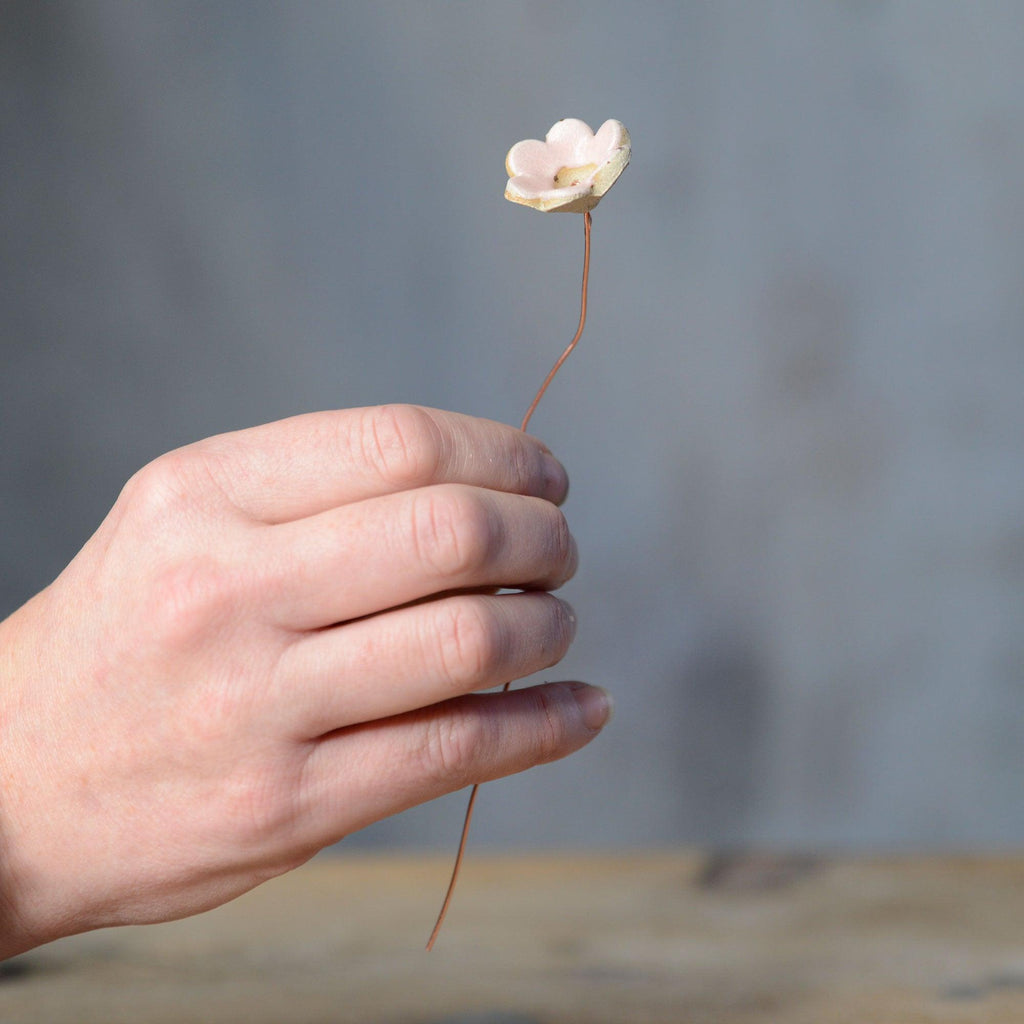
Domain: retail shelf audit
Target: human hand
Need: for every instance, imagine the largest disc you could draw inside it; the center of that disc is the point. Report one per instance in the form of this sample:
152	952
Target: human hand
270	642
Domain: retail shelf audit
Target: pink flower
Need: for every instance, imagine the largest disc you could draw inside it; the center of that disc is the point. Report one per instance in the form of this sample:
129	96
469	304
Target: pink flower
570	170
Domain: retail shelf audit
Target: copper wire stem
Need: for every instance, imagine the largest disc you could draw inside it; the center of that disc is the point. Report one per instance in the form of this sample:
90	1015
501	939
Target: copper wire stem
526	421
579	329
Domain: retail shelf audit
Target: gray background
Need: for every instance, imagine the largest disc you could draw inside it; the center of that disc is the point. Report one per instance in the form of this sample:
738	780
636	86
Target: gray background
795	424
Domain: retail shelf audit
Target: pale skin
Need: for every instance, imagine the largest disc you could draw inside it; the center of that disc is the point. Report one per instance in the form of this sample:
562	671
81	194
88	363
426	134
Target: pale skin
273	640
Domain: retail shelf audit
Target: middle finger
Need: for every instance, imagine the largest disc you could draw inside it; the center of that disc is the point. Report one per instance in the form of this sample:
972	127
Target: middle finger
376	554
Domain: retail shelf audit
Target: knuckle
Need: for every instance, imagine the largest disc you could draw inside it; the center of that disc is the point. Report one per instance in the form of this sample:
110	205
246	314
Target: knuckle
256	811
181	482
522	461
551	734
160	487
452	532
470	647
402	443
562	547
203	719
189	599
464	744
453	743
565	546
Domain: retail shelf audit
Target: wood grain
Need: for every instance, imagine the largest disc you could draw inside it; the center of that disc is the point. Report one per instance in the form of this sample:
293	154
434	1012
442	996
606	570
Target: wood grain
674	937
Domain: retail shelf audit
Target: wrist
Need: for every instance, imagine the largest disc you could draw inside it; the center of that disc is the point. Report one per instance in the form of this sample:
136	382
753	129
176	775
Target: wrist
27	919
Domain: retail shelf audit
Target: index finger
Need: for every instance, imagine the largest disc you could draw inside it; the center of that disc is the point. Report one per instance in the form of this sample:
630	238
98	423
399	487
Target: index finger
307	464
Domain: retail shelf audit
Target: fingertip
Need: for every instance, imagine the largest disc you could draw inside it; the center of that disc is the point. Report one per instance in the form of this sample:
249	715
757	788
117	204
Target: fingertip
571	621
595	705
556	479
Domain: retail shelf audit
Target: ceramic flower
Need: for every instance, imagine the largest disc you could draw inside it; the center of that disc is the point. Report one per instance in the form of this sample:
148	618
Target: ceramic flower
570	170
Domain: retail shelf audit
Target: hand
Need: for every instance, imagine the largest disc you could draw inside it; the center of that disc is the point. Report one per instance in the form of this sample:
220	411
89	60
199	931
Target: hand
270	642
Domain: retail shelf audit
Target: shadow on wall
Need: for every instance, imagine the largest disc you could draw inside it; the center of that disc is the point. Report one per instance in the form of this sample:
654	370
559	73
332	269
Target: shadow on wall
721	698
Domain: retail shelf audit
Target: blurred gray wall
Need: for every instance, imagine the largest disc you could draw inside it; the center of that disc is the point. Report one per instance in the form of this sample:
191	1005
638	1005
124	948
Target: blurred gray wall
795	424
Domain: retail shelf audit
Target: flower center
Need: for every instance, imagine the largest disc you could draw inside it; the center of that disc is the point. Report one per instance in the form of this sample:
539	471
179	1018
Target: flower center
570	177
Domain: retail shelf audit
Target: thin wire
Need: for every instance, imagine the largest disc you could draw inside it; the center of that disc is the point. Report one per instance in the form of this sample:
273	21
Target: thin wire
526	420
579	330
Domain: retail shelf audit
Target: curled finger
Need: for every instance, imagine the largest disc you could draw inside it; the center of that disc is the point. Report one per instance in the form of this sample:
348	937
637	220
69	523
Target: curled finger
360	775
364	558
419	655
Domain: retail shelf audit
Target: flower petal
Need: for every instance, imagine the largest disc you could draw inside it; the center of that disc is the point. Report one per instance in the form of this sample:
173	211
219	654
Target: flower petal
571	169
610	136
524	189
528	183
617	148
571	137
531	156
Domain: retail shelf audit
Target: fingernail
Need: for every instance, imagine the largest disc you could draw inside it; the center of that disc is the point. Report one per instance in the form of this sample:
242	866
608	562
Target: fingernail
595	705
574	558
570	616
556	480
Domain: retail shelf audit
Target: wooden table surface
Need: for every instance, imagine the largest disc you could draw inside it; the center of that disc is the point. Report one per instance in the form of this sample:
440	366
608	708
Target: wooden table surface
671	937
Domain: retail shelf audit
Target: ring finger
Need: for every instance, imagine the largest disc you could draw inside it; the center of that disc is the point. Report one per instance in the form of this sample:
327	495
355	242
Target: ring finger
419	655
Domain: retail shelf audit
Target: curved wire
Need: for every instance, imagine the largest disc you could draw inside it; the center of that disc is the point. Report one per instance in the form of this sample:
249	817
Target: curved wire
526	421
